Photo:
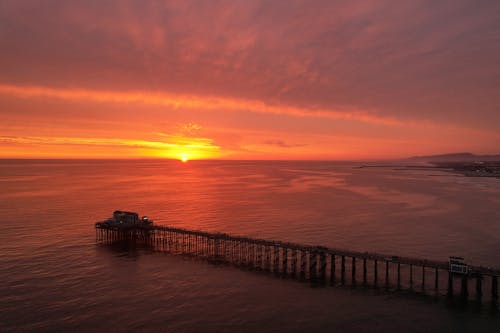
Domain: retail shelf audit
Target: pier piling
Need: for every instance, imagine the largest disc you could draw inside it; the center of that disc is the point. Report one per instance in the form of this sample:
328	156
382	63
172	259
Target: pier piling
423	278
450	285
387	274
342	270
284	262
322	266
464	292
332	269
398	287
479	288
353	271
293	268
313	268
303	265
436	281
276	256
364	272
411	277
494	287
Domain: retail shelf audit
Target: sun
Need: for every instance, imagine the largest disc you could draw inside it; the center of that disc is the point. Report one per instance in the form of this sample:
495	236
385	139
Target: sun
184	158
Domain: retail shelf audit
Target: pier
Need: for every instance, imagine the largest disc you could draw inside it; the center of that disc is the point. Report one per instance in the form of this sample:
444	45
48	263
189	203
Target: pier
316	264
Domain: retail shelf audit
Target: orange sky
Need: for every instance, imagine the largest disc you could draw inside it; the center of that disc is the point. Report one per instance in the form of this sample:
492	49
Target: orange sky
248	80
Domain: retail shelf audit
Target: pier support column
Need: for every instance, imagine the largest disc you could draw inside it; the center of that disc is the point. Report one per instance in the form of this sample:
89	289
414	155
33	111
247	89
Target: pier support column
239	252
237	247
208	247
332	269
284	261
353	271
267	258
276	253
241	246
251	255
227	249
387	275
248	255
450	285
494	288
293	269
220	247
464	292
197	247
303	264
479	288
176	240
375	273
436	281
322	266
313	268
232	249
175	245
208	251
364	272
411	277
258	259
423	279
244	253
398	286
203	246
342	270
183	243
169	242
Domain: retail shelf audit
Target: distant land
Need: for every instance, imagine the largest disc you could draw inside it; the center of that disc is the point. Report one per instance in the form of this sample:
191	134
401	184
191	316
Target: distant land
467	164
456	157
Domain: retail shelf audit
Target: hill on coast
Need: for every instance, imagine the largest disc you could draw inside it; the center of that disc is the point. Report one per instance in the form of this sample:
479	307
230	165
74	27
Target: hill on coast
456	157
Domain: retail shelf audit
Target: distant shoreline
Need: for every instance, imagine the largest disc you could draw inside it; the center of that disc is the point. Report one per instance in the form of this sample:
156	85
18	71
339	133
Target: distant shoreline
468	169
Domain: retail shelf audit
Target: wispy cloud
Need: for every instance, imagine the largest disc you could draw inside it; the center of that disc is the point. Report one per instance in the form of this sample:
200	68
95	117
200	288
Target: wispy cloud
190	128
282	144
195	102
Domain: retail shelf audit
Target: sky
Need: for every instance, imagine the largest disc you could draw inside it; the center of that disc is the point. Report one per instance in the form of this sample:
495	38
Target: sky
329	80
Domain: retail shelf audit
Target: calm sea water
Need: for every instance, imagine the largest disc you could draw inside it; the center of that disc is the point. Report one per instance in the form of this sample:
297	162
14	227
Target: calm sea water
55	278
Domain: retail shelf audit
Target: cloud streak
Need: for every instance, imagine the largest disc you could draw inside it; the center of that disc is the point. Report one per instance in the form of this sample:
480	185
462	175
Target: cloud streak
282	144
196	102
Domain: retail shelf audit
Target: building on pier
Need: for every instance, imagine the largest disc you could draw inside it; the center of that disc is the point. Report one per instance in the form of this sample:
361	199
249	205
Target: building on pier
127	219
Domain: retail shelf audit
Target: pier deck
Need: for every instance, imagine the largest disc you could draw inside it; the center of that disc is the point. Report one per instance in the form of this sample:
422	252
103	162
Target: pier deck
317	264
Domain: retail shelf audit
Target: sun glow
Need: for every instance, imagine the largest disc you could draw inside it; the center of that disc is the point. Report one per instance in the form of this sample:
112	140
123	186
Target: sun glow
184	158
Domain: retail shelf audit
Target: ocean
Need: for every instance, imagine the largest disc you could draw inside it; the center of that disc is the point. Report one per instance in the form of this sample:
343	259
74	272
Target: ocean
55	278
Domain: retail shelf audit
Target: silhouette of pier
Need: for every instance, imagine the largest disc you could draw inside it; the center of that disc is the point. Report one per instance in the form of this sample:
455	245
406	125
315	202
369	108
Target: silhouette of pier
316	264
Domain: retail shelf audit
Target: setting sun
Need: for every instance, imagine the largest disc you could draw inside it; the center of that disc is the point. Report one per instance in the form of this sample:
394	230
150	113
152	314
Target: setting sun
184	158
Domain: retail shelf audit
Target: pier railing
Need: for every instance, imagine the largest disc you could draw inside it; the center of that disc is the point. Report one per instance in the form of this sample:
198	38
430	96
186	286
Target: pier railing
317	264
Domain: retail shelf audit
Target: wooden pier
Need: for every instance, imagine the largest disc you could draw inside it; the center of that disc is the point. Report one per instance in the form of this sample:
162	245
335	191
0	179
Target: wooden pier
316	264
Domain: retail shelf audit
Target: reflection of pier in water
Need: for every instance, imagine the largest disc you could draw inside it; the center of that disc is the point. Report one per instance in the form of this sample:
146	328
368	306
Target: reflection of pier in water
317	264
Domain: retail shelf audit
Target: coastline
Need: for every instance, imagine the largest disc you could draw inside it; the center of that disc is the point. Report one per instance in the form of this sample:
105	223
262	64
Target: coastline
468	169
